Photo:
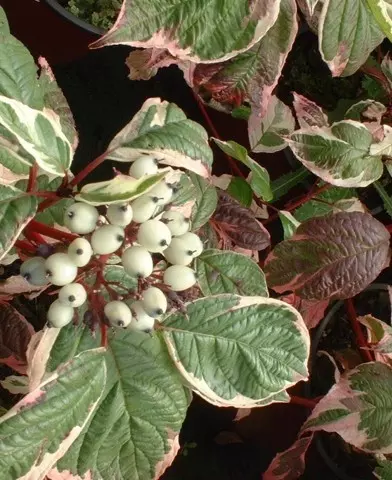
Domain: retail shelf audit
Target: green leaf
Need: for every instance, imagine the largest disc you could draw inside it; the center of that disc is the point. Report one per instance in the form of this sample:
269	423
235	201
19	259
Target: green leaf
12	155
134	431
260	181
382	11
266	131
242	112
240	189
55	413
4	27
117	274
18	72
285	183
162	129
330	257
348	33
55	100
16	210
384	470
206	202
39	134
289	224
359	408
121	188
339	154
195	30
386	198
221	271
238	351
366	110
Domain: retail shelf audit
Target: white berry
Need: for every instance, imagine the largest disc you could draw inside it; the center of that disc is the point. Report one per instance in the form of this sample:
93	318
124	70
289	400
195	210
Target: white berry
33	270
177	223
80	252
146	165
107	239
178	253
81	218
137	262
73	295
118	313
60	314
120	214
60	269
143	209
141	320
179	278
193	243
161	193
154	301
154	235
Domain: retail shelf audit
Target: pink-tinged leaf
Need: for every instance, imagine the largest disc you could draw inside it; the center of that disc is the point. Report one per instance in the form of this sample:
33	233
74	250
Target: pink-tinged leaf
290	464
308	113
15	334
379	338
311	5
144	64
358	408
16	384
336	372
17	285
8	177
312	311
54	474
330	257
311	10
193	30
168	458
238	224
386	67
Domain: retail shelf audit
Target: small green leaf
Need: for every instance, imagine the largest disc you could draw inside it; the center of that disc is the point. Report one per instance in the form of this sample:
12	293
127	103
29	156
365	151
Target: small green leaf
229	272
289	224
238	351
206	202
162	129
260	181
285	183
117	274
384	470
56	413
240	190
16	210
382	11
386	198
121	188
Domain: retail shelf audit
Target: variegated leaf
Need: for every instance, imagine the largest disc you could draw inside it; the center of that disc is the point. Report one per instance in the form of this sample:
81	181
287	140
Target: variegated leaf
308	113
382	11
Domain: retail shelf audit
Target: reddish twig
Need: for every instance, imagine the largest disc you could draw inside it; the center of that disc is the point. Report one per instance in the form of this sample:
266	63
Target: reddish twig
361	340
50	231
389	228
304	402
31	184
90	167
33	236
25	246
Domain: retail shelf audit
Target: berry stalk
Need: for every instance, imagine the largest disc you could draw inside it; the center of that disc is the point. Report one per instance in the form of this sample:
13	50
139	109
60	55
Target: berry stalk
50	231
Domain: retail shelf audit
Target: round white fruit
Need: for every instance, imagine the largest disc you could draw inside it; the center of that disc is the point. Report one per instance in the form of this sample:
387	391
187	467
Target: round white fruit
154	301
80	252
81	218
146	165
33	270
178	253
73	295
60	269
179	277
60	314
143	209
154	235
193	243
141	320
137	262
120	214
118	313
176	222
161	193
107	239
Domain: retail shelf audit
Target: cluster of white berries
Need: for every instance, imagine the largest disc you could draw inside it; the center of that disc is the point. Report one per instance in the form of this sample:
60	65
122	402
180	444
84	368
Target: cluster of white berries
167	234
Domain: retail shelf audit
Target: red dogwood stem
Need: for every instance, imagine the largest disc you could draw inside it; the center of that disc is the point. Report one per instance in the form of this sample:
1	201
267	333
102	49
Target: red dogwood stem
50	231
90	167
304	402
32	177
25	246
361	340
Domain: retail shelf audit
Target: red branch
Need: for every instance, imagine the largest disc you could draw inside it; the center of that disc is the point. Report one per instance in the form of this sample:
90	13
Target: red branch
305	402
25	246
31	184
90	167
361	340
33	236
50	231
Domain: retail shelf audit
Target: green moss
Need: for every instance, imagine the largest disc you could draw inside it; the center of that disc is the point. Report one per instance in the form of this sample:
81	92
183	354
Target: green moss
100	13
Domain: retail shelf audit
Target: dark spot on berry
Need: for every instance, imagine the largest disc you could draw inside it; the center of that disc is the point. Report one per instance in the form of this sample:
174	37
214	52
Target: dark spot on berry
120	323
147	330
159	311
27	276
79	251
156	161
166	220
120	238
71	298
187	220
48	273
156	199
190	252
162	243
124	208
70	214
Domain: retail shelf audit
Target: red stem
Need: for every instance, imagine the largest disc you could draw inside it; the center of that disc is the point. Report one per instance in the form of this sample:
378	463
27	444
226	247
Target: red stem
361	340
31	184
50	231
389	228
305	402
25	246
33	236
90	167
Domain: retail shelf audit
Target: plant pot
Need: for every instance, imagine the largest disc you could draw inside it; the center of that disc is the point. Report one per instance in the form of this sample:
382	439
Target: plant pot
70	17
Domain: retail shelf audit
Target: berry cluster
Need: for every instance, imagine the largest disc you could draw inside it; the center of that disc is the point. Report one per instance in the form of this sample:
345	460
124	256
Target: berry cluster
139	232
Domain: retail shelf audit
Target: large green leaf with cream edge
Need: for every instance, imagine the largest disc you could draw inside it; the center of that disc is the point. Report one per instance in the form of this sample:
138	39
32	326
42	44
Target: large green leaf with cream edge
39	134
55	413
359	408
348	33
382	11
238	351
134	431
340	154
195	30
162	129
